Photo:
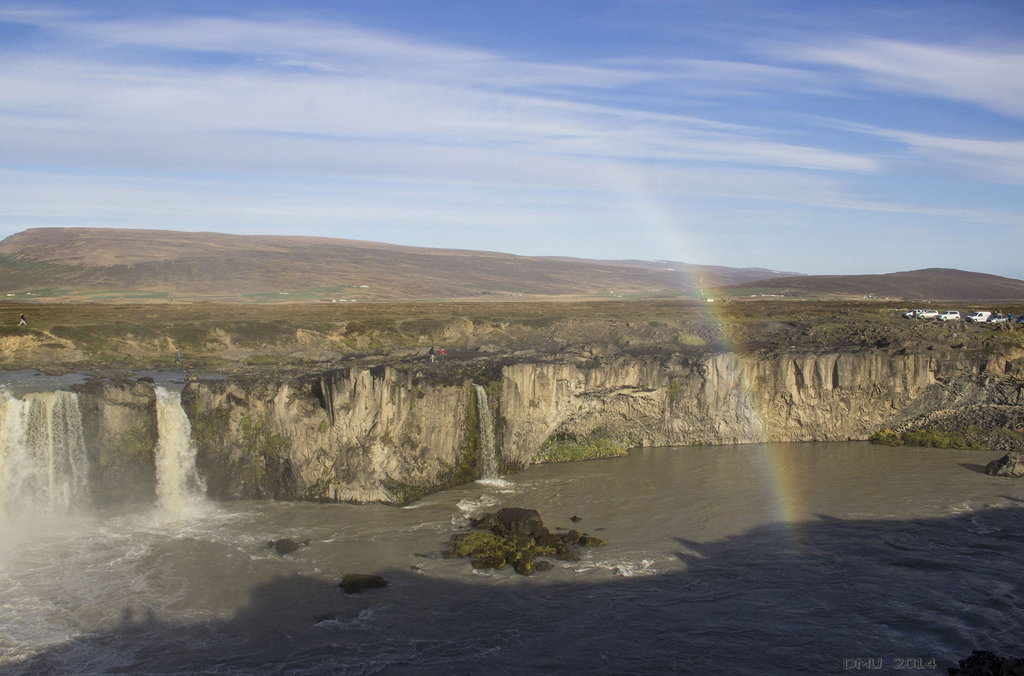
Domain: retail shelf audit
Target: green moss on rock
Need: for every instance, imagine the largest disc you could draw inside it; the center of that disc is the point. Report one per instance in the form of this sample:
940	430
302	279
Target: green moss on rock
517	537
569	450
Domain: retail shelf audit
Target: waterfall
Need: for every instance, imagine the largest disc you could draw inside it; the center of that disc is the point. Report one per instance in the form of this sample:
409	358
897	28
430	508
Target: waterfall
486	459
43	463
178	485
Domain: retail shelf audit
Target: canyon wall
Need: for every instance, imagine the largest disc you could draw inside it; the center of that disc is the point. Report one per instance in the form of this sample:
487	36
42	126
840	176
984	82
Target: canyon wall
722	399
391	434
375	434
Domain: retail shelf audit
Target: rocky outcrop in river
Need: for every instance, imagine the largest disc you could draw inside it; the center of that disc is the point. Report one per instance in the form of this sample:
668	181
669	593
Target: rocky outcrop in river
1010	465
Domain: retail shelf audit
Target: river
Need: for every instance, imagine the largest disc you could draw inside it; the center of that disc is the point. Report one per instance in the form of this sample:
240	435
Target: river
787	559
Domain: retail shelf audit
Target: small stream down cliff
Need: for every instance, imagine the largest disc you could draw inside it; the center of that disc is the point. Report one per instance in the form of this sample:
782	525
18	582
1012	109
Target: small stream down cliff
485	454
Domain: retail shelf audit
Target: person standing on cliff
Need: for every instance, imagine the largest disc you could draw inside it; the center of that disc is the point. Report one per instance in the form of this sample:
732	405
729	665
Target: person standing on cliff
21	320
177	356
431	354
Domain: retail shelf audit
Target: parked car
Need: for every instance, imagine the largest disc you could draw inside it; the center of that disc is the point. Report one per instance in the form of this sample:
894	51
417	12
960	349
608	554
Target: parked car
928	314
979	317
998	319
950	316
912	314
1020	320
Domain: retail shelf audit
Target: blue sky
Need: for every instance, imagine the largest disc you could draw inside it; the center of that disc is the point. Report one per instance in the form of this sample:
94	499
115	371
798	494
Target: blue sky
816	137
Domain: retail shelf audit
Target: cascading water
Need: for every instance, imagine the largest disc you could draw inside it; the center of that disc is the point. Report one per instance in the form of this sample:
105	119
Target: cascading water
43	462
485	452
178	485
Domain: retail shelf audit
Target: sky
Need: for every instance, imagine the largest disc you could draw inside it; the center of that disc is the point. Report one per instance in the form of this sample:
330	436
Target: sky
805	136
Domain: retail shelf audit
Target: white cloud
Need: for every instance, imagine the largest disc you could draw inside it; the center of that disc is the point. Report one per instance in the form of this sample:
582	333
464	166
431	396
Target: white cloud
983	76
998	161
329	123
126	108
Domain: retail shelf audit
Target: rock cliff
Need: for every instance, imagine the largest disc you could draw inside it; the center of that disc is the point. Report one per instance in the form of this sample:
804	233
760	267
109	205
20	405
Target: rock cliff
375	434
391	434
120	430
724	398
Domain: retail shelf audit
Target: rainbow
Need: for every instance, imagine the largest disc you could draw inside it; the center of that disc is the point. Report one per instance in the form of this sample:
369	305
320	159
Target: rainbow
776	468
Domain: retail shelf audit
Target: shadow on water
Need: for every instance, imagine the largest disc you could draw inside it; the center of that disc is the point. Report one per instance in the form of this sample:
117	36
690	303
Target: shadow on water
811	598
973	467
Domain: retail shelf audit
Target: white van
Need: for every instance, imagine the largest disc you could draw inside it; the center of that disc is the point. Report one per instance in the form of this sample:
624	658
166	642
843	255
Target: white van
978	317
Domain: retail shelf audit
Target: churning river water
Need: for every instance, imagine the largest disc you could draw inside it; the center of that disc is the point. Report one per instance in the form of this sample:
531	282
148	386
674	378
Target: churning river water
756	559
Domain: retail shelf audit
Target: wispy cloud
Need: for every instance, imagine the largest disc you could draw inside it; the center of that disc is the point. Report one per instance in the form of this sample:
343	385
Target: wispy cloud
999	161
992	78
255	120
110	103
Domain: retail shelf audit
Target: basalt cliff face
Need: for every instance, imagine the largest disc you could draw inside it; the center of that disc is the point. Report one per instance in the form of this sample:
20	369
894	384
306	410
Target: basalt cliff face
724	399
375	434
391	434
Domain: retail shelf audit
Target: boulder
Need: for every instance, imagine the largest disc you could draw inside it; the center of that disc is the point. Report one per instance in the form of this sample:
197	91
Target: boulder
539	533
354	583
493	561
518	520
565	552
284	545
1010	465
987	663
549	540
524	565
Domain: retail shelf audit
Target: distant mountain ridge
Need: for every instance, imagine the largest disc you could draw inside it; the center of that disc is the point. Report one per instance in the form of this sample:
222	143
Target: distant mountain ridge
117	264
936	284
108	263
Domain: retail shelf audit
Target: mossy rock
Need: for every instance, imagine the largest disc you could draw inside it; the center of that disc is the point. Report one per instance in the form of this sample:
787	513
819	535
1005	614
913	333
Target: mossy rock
524	565
566	553
493	562
479	544
517	537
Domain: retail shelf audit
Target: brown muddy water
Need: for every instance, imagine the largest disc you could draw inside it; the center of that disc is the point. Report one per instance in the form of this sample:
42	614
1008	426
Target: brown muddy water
755	559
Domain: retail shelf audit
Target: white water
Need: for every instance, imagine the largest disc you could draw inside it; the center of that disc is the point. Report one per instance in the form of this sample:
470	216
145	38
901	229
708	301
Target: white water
43	462
178	485
485	453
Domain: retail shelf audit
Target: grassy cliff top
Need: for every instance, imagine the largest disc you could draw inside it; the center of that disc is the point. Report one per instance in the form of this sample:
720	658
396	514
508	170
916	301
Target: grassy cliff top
232	338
